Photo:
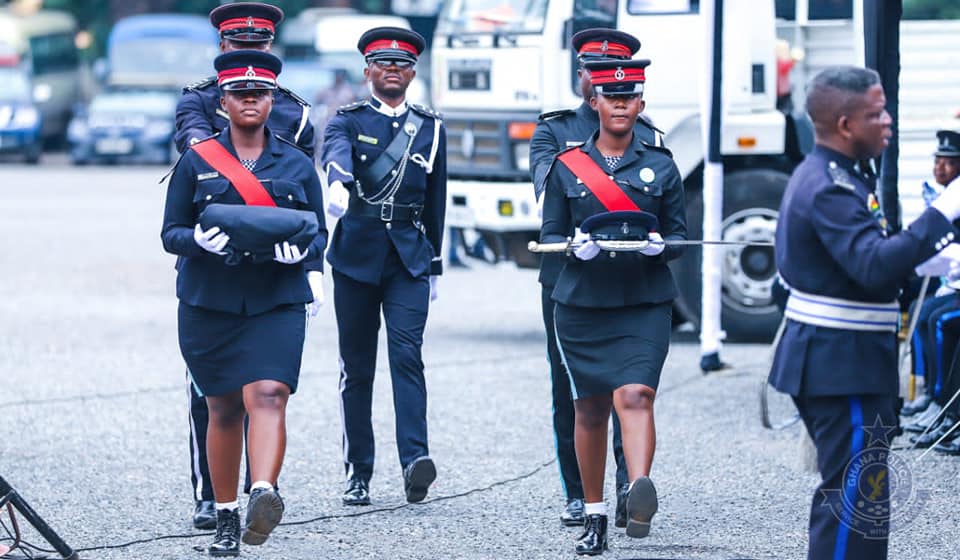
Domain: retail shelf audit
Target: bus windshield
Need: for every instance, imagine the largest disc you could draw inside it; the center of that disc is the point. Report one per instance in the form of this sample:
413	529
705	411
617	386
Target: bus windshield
487	16
171	56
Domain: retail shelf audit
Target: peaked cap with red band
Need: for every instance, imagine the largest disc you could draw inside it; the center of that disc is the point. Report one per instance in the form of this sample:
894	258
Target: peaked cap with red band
247	22
247	69
617	77
391	43
600	42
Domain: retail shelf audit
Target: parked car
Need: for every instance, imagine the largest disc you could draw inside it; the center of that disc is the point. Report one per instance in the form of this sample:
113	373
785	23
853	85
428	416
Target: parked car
125	125
20	122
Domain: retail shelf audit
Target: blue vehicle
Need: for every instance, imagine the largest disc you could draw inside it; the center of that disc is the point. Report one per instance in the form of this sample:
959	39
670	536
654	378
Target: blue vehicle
125	125
160	50
20	121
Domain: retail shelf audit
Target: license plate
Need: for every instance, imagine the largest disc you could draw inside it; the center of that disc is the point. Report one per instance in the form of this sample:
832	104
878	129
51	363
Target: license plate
114	146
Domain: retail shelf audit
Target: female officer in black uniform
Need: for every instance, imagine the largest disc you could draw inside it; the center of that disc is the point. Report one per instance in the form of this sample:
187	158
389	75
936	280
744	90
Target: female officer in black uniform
242	316
613	308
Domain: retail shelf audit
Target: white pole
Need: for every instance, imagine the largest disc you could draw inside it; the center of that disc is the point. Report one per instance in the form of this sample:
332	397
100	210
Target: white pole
711	103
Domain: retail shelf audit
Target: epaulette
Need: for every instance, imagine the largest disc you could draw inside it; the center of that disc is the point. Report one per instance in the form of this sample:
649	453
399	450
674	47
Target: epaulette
206	82
426	111
211	137
840	177
654	147
351	106
291	143
294	96
553	114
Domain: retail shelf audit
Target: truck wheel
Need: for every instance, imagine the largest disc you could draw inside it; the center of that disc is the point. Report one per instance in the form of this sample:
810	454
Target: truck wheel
750	202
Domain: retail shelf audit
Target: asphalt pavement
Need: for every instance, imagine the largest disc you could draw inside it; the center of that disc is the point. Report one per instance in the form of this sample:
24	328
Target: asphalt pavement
93	423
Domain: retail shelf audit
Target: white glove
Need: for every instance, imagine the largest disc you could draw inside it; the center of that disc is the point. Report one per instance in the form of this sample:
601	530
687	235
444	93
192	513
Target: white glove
315	278
288	254
948	203
540	205
212	240
588	249
941	263
954	273
339	199
434	293
656	245
943	290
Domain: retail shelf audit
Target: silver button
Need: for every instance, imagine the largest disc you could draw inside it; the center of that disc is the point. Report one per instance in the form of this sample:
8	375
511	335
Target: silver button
613	254
363	157
289	197
396	124
950	236
209	197
583	194
611	177
389	225
246	253
393	172
937	246
646	189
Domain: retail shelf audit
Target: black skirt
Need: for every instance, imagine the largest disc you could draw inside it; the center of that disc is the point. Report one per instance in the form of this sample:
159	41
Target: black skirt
225	351
606	348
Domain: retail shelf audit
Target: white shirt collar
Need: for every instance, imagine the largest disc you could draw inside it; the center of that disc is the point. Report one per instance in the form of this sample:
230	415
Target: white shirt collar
387	110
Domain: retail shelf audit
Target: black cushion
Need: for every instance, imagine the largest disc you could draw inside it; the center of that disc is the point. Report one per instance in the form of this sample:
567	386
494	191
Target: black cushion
254	230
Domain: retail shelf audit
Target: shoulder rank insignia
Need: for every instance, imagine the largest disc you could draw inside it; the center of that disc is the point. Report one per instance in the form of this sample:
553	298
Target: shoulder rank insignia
840	177
425	110
351	106
300	101
206	82
554	114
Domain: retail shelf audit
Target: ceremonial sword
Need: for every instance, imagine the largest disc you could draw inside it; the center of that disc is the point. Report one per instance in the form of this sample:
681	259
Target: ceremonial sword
634	246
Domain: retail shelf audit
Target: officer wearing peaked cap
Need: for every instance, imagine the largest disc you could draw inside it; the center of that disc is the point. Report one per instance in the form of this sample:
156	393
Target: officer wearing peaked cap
242	25
613	308
837	356
556	132
385	161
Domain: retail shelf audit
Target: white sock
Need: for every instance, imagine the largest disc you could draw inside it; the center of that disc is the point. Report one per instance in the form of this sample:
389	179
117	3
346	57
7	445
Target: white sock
230	506
261	484
598	508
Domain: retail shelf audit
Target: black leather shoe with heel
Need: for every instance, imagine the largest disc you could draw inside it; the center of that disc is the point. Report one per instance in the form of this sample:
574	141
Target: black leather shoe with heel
357	493
572	515
593	541
227	540
205	515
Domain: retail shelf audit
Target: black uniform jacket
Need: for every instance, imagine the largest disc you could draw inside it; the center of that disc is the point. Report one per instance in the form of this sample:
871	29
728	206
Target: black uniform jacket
199	116
203	279
616	279
557	131
354	138
830	243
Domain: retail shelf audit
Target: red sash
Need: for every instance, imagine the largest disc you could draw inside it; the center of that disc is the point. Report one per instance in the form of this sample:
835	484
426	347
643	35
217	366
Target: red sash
597	181
249	187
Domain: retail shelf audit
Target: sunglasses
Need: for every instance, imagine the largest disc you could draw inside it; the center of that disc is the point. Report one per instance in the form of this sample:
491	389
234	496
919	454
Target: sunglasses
398	63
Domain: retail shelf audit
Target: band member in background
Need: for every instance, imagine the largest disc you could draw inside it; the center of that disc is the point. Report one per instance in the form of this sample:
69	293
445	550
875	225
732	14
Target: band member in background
613	309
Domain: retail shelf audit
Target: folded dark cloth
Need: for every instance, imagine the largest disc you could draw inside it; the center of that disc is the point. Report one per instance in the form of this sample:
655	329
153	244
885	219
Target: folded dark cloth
254	230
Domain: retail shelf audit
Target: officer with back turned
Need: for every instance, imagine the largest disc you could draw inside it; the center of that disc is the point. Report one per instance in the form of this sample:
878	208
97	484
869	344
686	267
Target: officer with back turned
558	131
385	161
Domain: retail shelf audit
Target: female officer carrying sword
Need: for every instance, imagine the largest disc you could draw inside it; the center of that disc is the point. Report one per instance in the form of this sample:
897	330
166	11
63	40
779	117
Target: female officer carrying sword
244	213
613	306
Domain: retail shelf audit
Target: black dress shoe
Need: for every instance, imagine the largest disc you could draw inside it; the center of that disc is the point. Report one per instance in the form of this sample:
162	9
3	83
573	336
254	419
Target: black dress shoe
641	505
417	478
928	439
572	515
949	447
264	512
357	493
205	515
917	405
620	518
227	540
593	541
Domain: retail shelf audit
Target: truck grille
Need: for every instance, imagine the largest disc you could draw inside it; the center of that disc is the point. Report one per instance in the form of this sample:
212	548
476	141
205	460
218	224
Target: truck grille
480	149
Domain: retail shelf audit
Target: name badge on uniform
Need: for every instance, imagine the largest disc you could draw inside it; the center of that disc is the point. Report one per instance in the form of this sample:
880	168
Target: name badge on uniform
368	139
571	144
210	175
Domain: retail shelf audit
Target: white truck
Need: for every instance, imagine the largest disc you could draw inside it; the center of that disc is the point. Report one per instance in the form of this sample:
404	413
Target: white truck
498	64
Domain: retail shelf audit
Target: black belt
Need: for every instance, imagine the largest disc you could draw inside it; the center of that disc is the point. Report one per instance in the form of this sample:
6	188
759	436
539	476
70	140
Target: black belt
386	211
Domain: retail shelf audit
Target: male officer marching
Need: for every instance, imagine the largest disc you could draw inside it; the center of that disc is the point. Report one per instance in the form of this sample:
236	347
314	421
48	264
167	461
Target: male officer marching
558	131
385	162
837	356
242	25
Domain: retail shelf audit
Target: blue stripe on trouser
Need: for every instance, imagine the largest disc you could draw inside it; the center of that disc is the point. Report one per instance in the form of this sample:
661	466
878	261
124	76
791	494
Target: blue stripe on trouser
849	486
919	364
563	358
938	385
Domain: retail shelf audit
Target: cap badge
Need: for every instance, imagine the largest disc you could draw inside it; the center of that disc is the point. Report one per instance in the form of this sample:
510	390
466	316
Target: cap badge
624	228
619	75
647	175
394	45
250	72
250	21
604	46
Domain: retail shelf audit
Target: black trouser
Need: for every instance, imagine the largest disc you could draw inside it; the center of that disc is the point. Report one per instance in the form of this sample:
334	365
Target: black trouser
850	513
199	468
404	301
564	414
